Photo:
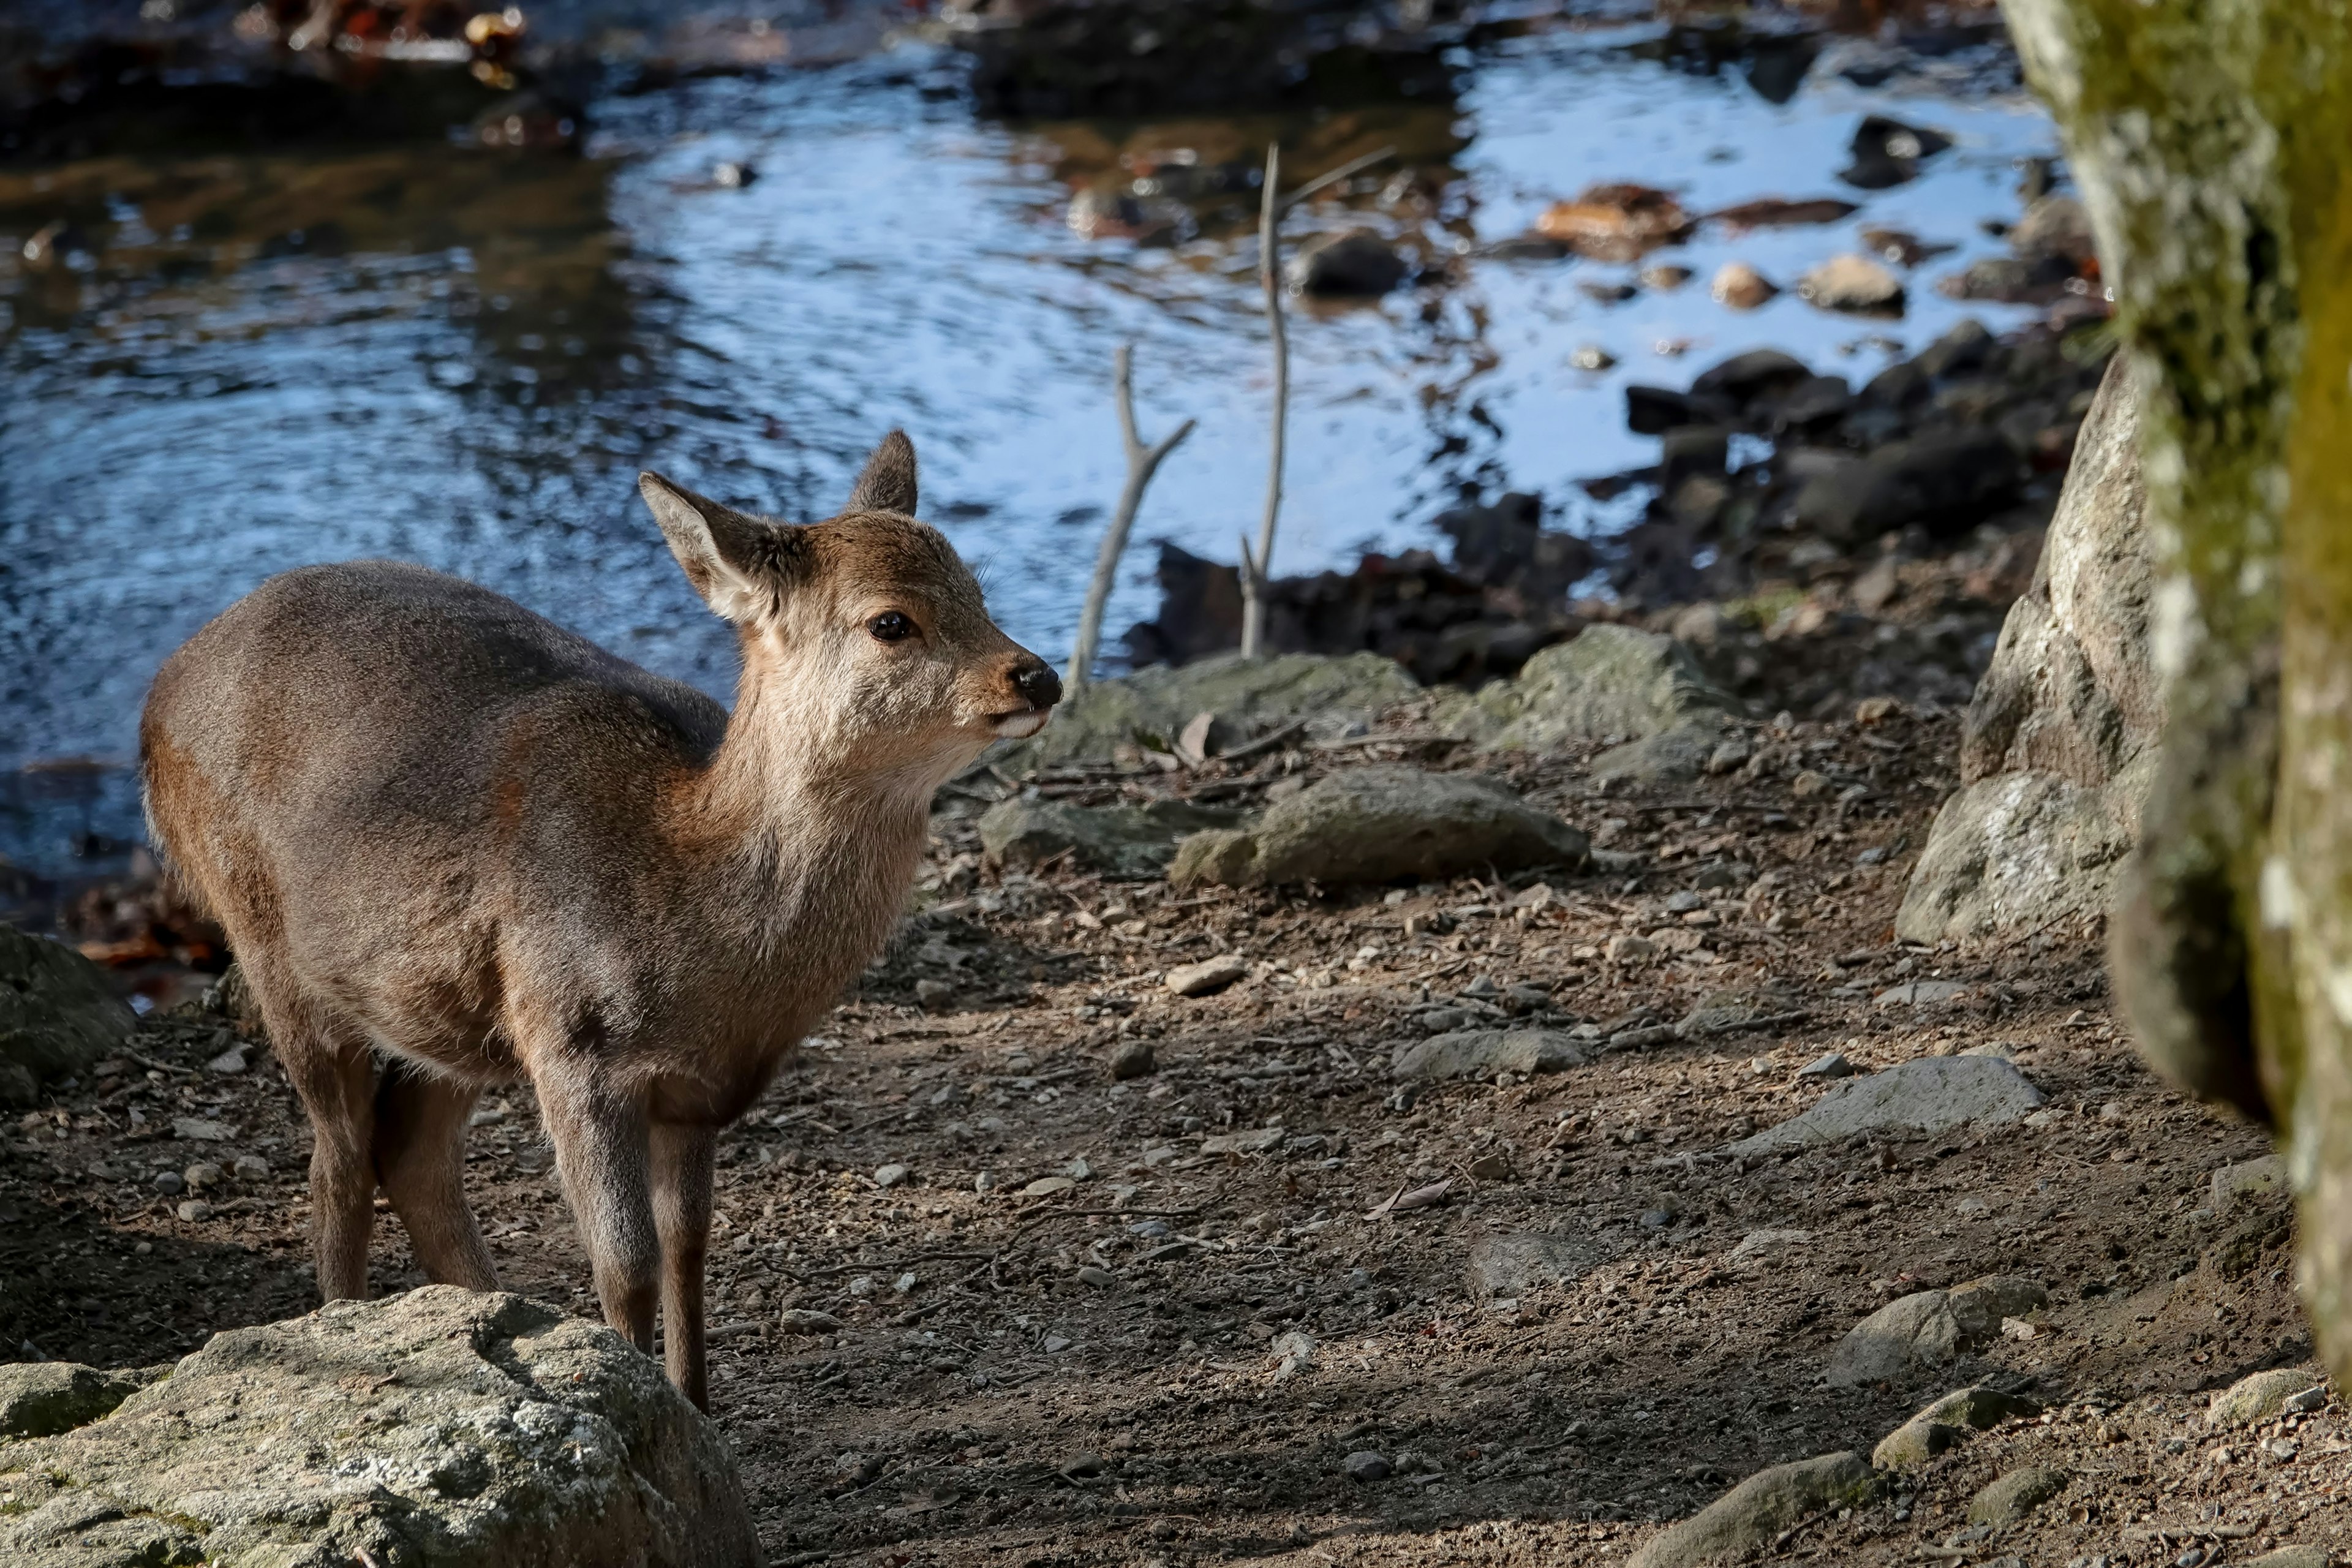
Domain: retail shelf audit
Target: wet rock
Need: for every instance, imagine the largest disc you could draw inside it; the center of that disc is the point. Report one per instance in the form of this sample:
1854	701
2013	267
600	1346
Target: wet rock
2055	226
1753	1513
1744	380
1742	287
58	1013
1930	1095
2010	280
1654	410
1616	221
507	1433
2057	749
1888	152
1944	480
1611	682
1926	1330
1207	977
1255	696
2234	1185
1774	212
41	1399
1098	214
2016	1494
1124	840
2260	1396
1132	1059
1378	824
1481	1053
1666	277
1900	246
1855	284
1592	357
1357	263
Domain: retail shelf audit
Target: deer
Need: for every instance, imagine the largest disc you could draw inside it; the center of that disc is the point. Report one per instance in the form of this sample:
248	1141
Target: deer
454	846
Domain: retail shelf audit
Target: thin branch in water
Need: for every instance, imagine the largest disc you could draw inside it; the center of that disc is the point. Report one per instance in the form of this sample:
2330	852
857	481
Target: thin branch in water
1321	182
1255	562
1143	462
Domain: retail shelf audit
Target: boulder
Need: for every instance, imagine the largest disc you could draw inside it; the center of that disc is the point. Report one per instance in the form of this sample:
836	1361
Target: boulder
2248	1183
1378	824
1947	1424
1253	695
1927	1329
2058	747
2017	1494
443	1425
58	1014
1753	1513
2260	1396
1478	1052
1672	755
1610	684
1929	1095
1122	840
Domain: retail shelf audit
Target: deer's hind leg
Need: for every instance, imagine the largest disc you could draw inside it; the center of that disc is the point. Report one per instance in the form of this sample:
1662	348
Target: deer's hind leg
419	1150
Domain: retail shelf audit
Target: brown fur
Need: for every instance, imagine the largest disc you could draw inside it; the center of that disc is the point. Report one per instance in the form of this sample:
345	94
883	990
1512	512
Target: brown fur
453	845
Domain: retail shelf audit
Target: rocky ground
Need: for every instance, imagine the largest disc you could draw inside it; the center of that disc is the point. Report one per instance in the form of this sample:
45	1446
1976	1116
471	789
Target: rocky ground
978	1294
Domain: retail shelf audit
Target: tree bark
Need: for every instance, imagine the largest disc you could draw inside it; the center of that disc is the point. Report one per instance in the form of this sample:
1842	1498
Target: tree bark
2208	137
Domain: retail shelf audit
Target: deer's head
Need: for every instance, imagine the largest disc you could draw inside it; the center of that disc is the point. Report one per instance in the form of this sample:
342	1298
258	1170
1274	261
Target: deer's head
866	633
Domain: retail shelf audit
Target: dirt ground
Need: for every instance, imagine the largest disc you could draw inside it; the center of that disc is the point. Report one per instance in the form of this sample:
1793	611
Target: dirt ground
1062	1324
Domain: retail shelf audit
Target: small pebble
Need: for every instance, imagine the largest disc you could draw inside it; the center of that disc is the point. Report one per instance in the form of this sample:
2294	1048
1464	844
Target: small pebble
249	1167
1591	356
171	1183
202	1174
933	992
231	1060
887	1176
1133	1059
1100	1278
195	1209
1834	1065
1366	1466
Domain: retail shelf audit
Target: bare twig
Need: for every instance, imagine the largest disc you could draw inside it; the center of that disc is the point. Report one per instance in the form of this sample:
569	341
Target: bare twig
1142	461
1353	166
1255	563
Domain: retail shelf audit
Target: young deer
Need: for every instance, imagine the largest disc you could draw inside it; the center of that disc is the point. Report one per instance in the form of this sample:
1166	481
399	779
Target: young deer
453	845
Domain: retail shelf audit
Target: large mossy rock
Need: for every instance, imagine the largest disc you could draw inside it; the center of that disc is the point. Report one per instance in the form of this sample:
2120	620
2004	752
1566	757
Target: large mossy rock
58	1014
443	1426
2057	753
1752	1515
1378	824
1251	695
1609	685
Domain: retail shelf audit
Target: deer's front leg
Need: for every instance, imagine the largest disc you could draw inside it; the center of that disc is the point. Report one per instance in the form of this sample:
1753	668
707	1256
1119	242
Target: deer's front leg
601	1137
682	1162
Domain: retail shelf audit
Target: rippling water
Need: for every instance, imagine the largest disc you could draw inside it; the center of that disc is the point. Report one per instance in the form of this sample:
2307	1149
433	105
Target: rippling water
462	359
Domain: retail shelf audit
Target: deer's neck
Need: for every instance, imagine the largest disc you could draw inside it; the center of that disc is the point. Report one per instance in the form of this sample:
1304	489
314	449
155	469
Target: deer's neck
812	846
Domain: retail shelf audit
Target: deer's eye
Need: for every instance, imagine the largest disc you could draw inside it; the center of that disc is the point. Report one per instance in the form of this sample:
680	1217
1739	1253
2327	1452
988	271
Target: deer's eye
891	626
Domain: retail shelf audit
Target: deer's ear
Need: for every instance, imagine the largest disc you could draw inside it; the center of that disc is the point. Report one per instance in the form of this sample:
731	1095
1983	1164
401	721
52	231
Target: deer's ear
888	482
739	564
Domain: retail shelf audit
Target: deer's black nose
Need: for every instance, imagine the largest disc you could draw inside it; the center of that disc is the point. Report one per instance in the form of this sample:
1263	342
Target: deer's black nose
1038	685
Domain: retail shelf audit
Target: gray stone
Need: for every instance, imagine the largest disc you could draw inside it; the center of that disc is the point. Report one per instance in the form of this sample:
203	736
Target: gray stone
1207	977
1948	1423
1132	1059
2248	1183
2057	749
1681	753
443	1425
806	1321
1931	1095
1378	824
1924	1330
1364	1464
1753	1513
1611	684
1125	840
58	1011
1478	1052
1922	992
1253	1140
1946	480
40	1399
2260	1396
1254	696
1514	1264
2292	1557
2017	1494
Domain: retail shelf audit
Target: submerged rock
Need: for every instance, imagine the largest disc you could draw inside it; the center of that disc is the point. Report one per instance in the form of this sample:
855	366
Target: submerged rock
1378	824
1856	284
1356	262
442	1426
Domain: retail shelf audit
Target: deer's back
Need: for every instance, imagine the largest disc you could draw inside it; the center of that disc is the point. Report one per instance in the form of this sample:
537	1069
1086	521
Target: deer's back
374	767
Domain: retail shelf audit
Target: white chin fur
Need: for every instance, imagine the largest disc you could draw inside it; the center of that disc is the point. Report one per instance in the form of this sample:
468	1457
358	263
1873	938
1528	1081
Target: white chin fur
1020	726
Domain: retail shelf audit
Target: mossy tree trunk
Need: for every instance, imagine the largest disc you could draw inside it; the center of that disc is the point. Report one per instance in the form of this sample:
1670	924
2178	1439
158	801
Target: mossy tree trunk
2210	137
